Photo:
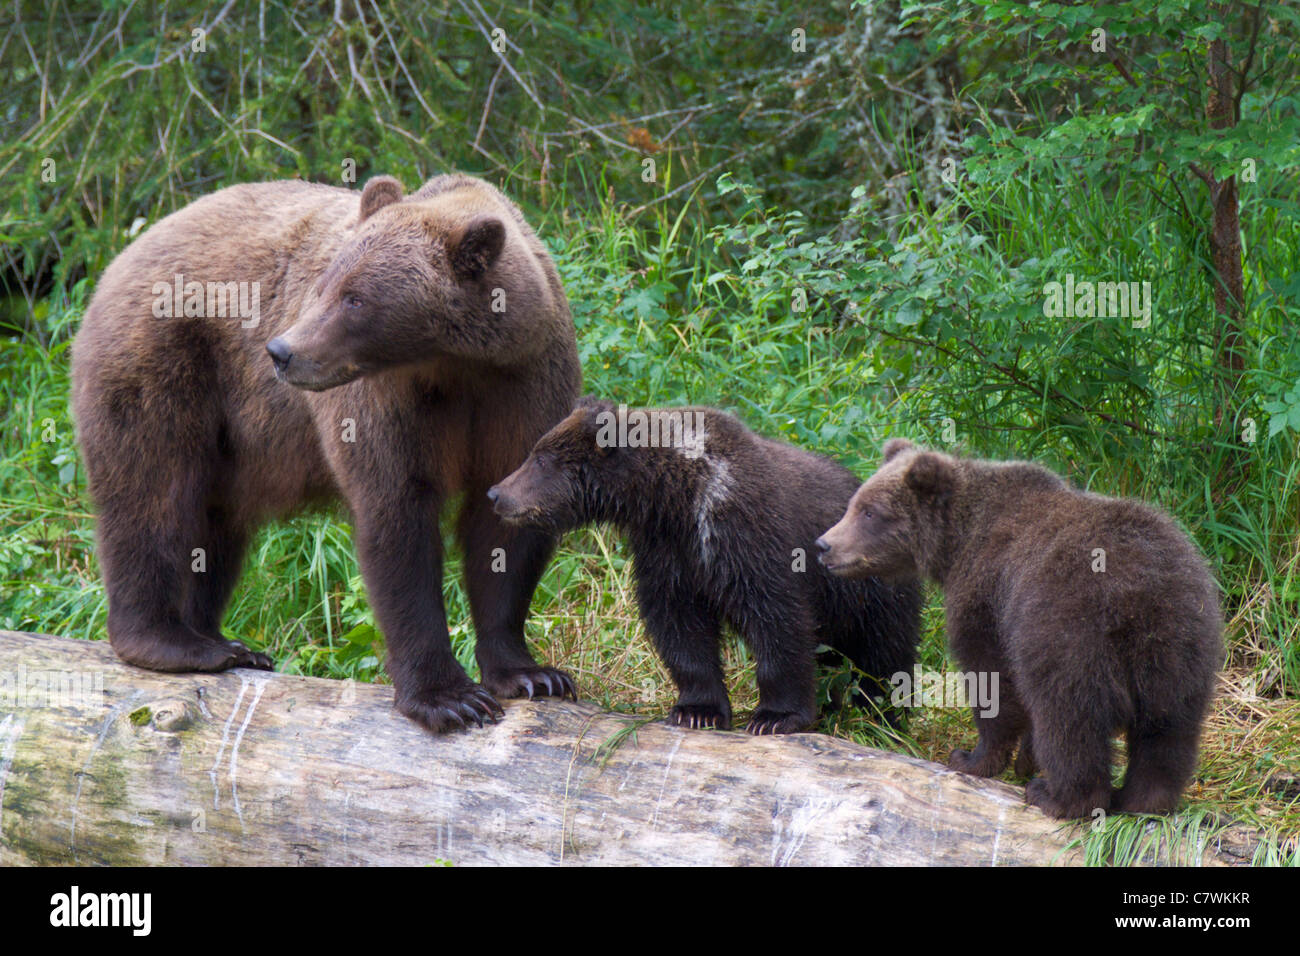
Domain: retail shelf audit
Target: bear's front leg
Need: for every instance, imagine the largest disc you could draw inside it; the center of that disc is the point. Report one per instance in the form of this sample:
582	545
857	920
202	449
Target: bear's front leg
1001	720
998	737
400	552
502	567
1002	723
685	635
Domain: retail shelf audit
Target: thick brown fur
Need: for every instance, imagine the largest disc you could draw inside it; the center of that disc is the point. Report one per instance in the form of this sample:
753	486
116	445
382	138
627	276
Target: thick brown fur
721	531
393	384
1081	652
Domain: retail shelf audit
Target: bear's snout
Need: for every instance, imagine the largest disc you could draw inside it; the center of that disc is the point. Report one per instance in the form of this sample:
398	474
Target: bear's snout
831	552
506	502
502	503
280	353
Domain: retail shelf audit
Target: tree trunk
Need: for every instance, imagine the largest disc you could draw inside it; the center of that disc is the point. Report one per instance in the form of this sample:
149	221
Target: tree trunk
103	763
1225	227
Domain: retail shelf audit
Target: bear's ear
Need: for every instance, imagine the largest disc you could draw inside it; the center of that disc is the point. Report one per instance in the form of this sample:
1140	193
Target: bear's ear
896	446
473	247
380	191
600	421
594	403
931	476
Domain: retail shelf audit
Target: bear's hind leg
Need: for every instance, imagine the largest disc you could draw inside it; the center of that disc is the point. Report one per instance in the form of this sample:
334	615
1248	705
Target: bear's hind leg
782	639
500	585
1074	750
149	569
223	544
1160	763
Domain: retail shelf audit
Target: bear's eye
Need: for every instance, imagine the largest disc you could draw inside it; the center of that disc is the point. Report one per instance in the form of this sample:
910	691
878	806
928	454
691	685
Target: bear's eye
354	302
543	462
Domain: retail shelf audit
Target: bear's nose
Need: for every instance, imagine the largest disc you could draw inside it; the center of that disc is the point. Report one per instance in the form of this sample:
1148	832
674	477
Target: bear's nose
493	494
822	545
280	353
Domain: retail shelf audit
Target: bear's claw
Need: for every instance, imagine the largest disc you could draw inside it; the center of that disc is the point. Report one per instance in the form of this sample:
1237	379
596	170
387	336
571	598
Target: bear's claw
249	658
453	709
532	682
699	716
777	722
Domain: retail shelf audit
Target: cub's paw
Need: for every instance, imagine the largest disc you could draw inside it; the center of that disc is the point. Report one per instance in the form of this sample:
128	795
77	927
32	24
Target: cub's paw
969	761
963	762
1039	794
767	721
697	716
531	682
1026	765
452	709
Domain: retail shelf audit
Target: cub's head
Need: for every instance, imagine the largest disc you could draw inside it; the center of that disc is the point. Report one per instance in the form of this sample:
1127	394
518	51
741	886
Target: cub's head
893	516
419	277
566	480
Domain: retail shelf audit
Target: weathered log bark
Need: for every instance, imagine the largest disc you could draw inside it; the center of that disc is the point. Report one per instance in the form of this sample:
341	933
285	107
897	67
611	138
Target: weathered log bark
105	763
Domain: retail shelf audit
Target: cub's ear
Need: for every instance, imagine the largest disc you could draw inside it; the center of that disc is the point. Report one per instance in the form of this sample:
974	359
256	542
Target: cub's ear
593	403
896	446
473	247
380	191
600	420
931	476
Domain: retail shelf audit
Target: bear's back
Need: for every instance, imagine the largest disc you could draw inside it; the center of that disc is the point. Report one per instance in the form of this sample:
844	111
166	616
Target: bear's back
1082	560
251	233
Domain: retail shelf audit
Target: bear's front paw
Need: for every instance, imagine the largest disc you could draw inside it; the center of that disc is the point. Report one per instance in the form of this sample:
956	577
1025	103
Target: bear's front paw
452	709
963	762
976	764
530	682
767	721
698	716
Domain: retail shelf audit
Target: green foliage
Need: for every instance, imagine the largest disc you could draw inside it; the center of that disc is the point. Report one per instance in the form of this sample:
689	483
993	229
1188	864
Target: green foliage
109	116
1125	83
841	245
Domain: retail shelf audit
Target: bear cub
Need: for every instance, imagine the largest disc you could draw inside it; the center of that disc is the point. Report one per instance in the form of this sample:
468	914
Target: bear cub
720	522
1098	614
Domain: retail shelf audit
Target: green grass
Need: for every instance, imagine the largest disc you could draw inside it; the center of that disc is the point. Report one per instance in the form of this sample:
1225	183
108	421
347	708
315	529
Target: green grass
671	310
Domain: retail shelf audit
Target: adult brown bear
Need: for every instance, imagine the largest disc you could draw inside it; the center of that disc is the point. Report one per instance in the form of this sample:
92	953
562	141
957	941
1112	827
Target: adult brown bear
418	346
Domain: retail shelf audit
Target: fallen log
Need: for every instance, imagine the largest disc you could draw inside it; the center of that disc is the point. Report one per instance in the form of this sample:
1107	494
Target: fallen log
103	763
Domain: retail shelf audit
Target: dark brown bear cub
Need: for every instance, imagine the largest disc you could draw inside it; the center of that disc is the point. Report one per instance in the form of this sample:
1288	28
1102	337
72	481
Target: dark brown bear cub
721	523
418	346
1097	613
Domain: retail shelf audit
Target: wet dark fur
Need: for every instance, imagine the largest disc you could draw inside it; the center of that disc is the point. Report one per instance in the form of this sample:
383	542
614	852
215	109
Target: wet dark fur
779	498
382	306
1081	654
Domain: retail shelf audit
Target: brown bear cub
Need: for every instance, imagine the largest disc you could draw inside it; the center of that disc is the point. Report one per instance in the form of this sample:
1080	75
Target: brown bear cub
721	523
1097	613
277	344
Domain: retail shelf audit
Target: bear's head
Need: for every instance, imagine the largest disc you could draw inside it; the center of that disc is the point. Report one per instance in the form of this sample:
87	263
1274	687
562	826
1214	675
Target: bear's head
568	477
893	519
419	277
